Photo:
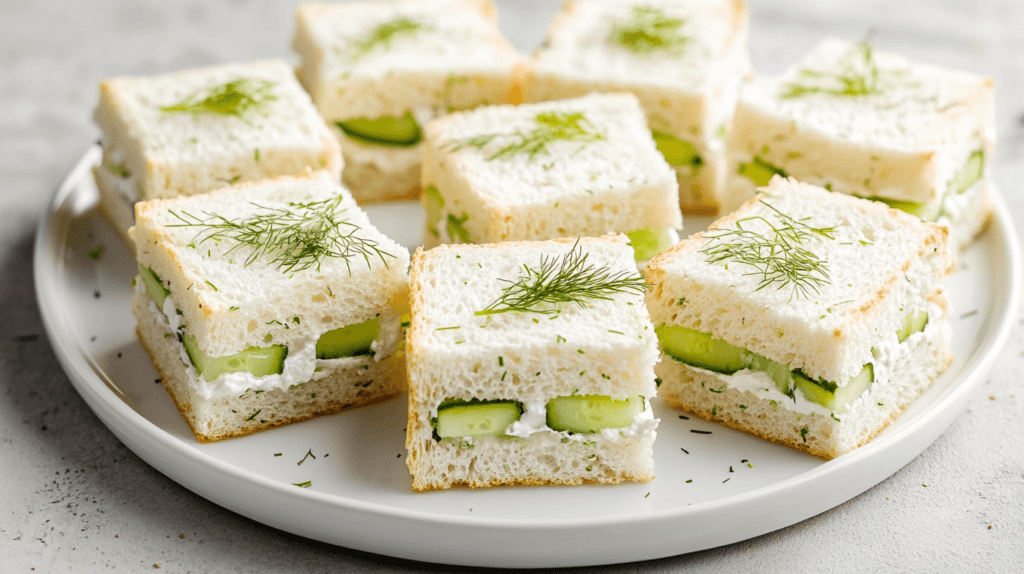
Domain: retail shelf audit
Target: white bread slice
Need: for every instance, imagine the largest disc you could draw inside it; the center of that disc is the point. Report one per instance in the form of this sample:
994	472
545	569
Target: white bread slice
617	184
607	348
687	92
906	142
455	59
161	154
881	265
207	280
351	383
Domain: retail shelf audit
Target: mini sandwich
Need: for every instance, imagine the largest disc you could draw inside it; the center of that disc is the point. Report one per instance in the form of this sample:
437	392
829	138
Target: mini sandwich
580	167
808	318
683	59
380	70
268	303
855	120
194	131
529	363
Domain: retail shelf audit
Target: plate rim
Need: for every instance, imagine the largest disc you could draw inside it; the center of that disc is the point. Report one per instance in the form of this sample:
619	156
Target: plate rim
105	401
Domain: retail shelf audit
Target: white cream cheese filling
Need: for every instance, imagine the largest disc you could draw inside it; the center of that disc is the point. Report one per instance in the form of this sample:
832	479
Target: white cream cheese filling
889	355
300	365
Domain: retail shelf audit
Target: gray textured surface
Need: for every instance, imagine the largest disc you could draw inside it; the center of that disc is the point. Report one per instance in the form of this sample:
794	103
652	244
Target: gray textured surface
76	500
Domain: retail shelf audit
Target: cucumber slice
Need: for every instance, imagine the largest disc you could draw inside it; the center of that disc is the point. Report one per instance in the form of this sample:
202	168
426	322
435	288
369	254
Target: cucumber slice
154	286
923	211
258	361
348	341
779	373
760	171
914	322
433	203
648	242
970	174
700	349
388	131
458	419
592	413
676	151
830	395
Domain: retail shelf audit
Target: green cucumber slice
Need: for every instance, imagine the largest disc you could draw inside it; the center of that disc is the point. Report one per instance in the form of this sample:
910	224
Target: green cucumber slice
676	151
433	204
700	349
914	322
388	131
457	419
760	171
923	211
781	374
970	174
648	242
258	361
592	413
154	286
348	341
830	395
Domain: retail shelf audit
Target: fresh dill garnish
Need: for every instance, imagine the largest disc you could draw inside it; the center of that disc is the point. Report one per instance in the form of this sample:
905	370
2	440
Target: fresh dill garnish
648	29
309	453
778	255
383	34
551	127
562	280
456	228
293	239
860	76
306	484
235	98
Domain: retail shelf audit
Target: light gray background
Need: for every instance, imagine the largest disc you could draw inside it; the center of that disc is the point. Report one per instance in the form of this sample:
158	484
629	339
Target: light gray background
74	499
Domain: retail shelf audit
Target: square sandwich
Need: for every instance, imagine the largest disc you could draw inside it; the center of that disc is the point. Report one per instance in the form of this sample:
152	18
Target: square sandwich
683	59
581	167
379	70
190	132
529	363
269	303
808	318
863	122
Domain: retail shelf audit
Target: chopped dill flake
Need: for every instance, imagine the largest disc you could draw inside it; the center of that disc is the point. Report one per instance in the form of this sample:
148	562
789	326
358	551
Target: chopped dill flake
277	454
803	433
448	328
778	255
859	76
695	431
384	34
560	339
233	308
563	280
212	285
616	332
551	127
235	98
457	229
309	454
117	169
306	484
96	253
253	415
501	361
256	155
647	30
296	238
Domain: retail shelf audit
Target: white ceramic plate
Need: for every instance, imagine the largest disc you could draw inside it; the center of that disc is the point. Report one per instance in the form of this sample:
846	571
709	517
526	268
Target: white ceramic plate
360	496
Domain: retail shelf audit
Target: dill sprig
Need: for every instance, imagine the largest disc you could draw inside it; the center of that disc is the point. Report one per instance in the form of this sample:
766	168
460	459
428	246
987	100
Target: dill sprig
860	76
293	239
383	34
561	280
648	30
778	255
551	127
234	98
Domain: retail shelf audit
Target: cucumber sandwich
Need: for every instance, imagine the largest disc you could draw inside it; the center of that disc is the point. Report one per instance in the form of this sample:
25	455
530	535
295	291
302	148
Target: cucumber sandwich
379	70
193	131
530	363
268	303
808	318
864	122
684	60
580	167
